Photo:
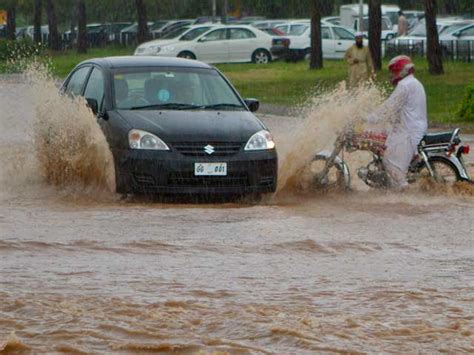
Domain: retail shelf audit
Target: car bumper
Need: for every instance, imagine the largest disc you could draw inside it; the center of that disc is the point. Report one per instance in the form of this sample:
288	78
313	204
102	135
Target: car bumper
171	172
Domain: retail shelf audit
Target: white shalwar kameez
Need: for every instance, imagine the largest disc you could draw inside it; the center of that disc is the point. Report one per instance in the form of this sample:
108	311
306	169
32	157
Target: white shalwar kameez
407	110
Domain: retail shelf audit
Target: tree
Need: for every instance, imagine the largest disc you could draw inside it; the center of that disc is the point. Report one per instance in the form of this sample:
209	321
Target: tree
142	34
54	40
375	32
37	21
81	27
433	47
316	61
11	20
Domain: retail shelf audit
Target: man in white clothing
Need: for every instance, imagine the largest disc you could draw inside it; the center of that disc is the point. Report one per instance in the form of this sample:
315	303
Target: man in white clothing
407	109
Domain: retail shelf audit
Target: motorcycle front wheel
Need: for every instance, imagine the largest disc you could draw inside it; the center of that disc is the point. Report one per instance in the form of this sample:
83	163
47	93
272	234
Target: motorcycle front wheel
338	177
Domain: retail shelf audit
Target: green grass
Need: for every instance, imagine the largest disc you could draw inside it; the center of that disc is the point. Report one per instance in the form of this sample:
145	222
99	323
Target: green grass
289	84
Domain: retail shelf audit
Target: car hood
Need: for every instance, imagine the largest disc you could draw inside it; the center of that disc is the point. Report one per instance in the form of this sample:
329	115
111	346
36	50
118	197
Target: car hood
194	126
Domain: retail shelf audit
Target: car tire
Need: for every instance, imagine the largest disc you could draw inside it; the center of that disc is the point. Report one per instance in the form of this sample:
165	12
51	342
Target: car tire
261	56
186	55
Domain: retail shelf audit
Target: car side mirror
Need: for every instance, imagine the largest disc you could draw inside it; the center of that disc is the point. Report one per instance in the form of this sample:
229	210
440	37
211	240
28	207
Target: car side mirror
93	105
252	104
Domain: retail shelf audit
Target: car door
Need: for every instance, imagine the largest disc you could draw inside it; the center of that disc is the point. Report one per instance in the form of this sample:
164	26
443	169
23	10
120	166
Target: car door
343	41
328	43
95	88
213	47
242	44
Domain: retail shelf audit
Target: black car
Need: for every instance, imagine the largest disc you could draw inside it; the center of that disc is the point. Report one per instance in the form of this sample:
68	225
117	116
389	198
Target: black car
176	126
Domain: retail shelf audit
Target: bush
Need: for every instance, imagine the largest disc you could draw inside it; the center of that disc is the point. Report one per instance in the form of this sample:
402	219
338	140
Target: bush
466	112
21	48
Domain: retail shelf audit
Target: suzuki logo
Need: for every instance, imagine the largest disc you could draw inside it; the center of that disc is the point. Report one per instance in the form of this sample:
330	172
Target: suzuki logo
209	149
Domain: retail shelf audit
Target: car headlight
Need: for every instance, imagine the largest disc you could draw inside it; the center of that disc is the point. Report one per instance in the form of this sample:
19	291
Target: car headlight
261	140
153	50
138	139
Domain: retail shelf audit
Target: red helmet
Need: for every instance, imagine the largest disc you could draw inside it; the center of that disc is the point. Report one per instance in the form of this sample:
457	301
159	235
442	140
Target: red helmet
400	67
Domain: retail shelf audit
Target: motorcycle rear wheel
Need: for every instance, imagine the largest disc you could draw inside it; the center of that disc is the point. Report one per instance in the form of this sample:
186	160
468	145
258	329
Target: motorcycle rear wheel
444	171
338	177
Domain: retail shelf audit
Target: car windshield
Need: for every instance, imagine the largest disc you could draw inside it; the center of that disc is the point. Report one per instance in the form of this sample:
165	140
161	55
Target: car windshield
175	33
173	88
193	34
419	31
297	30
453	28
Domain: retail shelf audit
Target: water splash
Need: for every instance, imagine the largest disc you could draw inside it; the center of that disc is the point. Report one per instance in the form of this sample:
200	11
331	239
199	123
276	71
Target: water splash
324	116
70	146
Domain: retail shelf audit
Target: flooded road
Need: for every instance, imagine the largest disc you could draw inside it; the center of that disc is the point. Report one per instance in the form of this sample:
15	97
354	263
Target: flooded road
363	272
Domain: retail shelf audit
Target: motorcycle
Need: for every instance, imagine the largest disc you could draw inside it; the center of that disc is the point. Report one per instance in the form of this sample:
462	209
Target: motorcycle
440	157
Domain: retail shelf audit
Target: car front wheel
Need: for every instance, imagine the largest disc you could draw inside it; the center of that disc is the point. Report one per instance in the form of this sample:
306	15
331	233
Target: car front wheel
186	55
261	56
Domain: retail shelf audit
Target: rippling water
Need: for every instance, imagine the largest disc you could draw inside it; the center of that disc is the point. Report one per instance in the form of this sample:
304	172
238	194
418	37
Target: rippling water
84	271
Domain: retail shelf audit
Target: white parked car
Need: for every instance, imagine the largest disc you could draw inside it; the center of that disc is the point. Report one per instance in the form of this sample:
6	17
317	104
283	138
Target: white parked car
219	44
416	41
335	41
458	42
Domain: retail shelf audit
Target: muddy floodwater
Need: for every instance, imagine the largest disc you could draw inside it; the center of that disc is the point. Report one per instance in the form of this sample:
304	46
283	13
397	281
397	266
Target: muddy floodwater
82	270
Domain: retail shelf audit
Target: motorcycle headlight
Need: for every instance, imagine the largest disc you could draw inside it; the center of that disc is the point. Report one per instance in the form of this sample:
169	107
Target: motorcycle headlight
138	139
261	140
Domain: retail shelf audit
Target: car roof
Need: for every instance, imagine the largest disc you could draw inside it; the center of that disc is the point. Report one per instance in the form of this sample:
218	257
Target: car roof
145	61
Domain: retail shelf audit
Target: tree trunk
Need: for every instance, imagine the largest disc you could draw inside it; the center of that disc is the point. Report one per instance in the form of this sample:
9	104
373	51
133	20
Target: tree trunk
433	47
142	34
54	40
316	61
11	22
81	27
37	35
375	32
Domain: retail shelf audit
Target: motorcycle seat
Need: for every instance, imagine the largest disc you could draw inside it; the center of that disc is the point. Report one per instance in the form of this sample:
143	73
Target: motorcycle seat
438	138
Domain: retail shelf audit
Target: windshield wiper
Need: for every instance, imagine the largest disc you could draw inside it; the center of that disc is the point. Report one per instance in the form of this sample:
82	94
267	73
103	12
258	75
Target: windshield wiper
221	106
168	106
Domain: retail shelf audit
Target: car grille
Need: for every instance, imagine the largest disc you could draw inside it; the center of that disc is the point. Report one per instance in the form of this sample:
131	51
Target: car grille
196	149
189	180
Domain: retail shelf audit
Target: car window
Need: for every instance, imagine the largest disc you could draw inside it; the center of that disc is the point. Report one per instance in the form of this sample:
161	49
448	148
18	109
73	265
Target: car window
95	87
76	82
283	28
216	35
241	33
342	34
468	32
193	34
165	86
297	30
326	33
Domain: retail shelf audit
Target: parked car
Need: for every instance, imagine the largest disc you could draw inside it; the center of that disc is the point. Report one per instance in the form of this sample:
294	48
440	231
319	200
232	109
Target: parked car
267	23
458	42
387	32
220	44
168	27
190	33
415	43
335	41
272	31
293	28
176	126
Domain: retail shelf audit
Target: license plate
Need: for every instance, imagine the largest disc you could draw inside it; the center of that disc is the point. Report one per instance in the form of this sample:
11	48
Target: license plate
210	169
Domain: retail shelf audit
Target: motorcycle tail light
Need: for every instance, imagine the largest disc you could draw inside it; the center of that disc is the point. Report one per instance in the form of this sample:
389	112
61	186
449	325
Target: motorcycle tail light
465	149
